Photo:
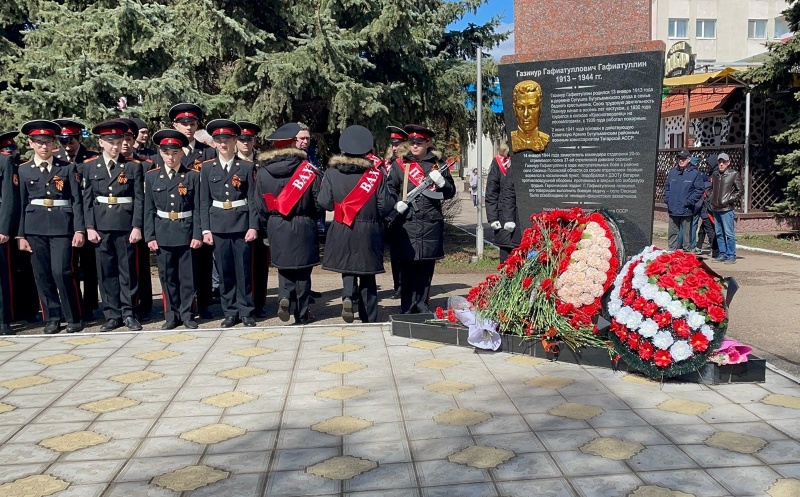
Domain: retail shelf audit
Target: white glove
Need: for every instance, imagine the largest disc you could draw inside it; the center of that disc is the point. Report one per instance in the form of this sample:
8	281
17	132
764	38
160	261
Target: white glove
496	225
401	206
510	227
437	178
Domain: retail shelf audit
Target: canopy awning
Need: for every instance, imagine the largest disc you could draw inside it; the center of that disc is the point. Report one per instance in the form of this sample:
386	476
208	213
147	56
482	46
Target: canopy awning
704	102
724	77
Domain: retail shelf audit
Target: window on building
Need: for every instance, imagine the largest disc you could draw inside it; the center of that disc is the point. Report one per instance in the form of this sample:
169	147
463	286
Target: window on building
757	29
679	28
781	28
706	29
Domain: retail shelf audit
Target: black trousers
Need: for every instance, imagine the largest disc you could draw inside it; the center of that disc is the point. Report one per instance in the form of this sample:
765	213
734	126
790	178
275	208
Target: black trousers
25	304
177	279
260	272
415	291
144	298
364	289
87	271
234	257
6	297
116	267
504	253
295	285
52	270
707	230
203	262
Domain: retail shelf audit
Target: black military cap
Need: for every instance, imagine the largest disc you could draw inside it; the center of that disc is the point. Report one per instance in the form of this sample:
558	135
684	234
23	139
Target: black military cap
170	138
131	128
111	130
249	130
223	127
185	112
396	135
286	132
139	124
40	127
69	127
7	140
417	132
355	140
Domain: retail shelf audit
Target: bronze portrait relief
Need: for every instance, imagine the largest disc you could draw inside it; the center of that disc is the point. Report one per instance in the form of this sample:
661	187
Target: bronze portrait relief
528	107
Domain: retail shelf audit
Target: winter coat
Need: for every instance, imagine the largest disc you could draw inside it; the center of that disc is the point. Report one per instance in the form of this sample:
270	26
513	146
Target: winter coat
356	249
726	190
418	234
292	238
682	190
501	205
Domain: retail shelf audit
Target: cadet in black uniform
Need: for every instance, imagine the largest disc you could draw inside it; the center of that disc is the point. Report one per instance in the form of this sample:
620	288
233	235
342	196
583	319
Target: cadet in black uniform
72	150
398	147
420	232
356	191
245	149
286	187
9	214
229	221
140	137
113	203
501	204
172	226
51	225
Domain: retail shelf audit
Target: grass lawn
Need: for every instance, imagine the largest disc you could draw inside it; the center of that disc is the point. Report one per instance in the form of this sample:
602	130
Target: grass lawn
784	242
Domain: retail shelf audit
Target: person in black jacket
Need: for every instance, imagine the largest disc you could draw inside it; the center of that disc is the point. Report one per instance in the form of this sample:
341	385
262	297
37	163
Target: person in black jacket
229	221
420	232
398	147
501	204
51	225
357	193
172	226
286	191
9	213
113	203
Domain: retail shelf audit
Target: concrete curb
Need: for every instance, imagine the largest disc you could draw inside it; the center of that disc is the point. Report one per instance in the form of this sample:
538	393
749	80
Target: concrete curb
767	251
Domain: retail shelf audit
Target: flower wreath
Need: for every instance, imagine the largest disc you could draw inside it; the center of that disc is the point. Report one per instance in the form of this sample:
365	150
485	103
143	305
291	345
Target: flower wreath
550	287
667	313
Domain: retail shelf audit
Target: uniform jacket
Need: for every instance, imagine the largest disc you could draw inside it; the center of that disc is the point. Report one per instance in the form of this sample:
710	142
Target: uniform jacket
50	221
293	238
726	190
501	205
82	156
199	154
356	249
419	233
683	189
161	194
215	184
9	196
126	180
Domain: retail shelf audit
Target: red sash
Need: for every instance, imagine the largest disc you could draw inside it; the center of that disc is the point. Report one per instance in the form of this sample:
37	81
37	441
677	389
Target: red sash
298	184
502	163
377	162
346	211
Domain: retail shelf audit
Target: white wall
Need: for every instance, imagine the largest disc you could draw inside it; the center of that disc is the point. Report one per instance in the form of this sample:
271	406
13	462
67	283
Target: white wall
487	154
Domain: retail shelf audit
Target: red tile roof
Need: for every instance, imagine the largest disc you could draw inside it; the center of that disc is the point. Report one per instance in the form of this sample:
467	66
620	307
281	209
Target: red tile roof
701	101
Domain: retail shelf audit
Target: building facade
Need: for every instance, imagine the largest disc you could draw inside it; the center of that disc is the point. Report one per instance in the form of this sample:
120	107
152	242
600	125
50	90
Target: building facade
721	32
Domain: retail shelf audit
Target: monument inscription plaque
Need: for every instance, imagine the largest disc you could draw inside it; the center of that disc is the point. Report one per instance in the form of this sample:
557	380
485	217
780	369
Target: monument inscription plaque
602	116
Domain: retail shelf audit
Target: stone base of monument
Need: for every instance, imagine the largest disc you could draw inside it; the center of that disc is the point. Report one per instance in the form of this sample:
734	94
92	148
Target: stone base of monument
417	327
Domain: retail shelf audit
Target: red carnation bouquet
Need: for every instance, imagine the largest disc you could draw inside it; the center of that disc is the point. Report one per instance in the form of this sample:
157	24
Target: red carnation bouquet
667	313
550	287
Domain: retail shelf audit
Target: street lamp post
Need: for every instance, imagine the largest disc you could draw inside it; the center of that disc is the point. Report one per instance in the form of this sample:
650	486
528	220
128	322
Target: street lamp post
479	155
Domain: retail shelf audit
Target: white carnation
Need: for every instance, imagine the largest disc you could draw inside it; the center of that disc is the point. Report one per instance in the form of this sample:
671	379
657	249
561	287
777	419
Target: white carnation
676	308
663	339
681	350
639	281
663	299
634	320
648	328
614	305
624	314
707	332
649	291
695	320
639	270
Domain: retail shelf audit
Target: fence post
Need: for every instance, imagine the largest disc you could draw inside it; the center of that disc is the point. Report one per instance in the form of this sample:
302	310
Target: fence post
746	174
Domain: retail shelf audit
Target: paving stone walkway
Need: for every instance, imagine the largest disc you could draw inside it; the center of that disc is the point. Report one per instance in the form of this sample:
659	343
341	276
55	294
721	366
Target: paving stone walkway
323	410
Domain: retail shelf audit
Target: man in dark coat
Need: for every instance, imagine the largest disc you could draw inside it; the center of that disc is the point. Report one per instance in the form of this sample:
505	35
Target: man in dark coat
9	213
398	147
72	150
357	193
51	225
172	226
726	191
420	235
113	203
229	221
683	188
501	204
286	187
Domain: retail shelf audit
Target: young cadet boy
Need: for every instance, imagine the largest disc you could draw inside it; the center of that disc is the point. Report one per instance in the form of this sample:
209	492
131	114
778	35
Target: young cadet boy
113	203
229	221
9	213
51	225
172	226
